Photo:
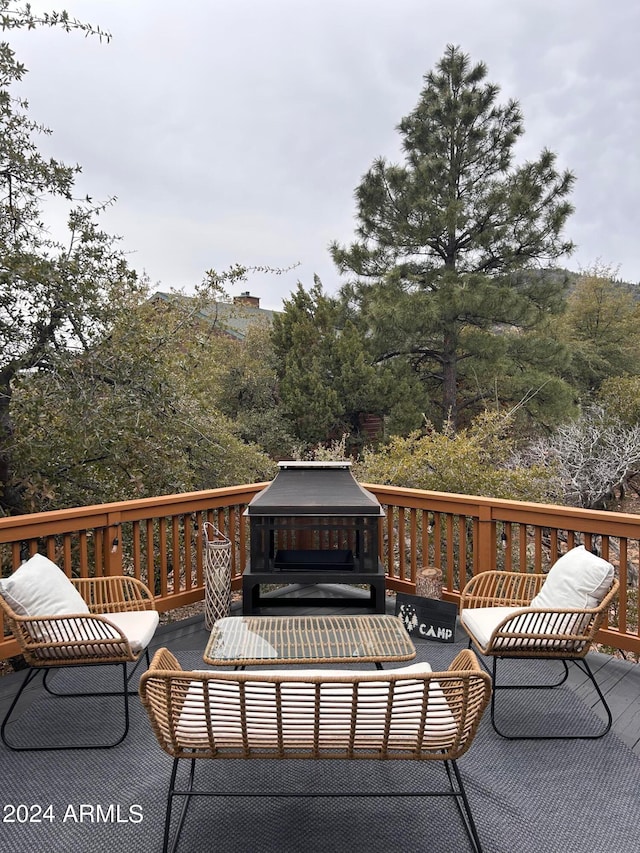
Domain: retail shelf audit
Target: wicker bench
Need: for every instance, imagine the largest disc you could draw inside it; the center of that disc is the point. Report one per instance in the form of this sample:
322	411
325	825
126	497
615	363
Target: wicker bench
407	713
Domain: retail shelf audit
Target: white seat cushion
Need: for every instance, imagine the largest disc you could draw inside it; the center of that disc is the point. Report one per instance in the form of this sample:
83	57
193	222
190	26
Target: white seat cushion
481	622
138	626
578	579
420	668
296	704
39	588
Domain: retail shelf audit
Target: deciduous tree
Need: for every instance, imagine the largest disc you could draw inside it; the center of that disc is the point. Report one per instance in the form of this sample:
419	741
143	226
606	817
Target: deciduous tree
477	460
247	391
135	415
54	297
591	455
101	397
620	395
600	326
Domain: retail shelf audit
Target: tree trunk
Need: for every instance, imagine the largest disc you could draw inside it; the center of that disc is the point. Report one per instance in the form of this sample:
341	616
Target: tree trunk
450	382
10	500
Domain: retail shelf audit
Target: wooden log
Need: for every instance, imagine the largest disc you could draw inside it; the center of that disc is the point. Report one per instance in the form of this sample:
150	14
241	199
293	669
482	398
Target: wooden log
429	582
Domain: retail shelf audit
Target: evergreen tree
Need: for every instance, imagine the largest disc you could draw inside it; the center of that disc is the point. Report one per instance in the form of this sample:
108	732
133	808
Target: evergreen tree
326	376
442	241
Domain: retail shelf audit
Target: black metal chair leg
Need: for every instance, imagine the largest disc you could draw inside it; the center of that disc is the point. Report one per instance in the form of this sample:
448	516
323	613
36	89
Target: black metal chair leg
553	686
584	665
63	694
183	813
465	808
31	674
456	786
491	672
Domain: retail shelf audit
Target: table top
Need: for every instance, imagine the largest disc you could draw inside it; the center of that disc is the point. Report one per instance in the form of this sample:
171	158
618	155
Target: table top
258	640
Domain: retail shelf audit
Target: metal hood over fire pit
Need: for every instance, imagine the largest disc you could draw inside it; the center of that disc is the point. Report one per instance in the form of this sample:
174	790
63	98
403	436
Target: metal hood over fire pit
314	488
317	524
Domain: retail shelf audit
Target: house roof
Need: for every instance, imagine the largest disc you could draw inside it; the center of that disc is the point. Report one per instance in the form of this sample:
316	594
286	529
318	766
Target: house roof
233	318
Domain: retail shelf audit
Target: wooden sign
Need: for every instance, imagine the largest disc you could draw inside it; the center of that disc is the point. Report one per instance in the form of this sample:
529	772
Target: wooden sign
428	618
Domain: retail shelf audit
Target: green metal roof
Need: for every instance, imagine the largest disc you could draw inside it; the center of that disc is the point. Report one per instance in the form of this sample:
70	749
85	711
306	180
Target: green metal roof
234	318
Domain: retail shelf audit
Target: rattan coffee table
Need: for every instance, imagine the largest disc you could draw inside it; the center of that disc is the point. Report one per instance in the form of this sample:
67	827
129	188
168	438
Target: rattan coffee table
267	640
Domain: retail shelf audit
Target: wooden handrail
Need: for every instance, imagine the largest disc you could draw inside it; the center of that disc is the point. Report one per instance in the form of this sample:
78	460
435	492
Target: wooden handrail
159	540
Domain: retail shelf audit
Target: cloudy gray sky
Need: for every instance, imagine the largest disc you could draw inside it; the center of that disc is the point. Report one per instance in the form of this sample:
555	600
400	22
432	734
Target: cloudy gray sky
235	131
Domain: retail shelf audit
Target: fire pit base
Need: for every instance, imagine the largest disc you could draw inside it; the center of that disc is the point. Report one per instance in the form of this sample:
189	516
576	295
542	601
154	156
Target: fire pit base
252	601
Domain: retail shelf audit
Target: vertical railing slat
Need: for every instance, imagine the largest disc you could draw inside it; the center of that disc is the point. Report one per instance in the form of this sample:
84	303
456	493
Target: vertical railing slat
413	544
402	549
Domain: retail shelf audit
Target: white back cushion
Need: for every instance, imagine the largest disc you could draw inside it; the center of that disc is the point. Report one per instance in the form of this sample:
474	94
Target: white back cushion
578	579
40	588
342	715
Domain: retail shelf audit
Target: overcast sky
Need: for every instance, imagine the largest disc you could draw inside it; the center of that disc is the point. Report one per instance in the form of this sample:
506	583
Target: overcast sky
235	131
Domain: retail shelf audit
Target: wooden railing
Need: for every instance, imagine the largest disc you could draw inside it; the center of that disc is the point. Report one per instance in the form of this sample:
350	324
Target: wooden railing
462	535
159	540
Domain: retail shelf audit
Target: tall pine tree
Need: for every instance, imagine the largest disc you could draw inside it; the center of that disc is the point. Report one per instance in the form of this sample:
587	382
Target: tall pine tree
442	243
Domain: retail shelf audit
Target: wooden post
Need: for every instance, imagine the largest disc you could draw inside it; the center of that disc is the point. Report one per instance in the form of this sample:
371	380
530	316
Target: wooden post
429	582
485	551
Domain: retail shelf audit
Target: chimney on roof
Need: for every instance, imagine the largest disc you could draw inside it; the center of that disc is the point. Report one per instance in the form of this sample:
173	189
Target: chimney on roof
247	299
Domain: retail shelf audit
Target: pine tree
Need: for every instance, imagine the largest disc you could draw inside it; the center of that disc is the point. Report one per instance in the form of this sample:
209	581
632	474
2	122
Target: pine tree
443	238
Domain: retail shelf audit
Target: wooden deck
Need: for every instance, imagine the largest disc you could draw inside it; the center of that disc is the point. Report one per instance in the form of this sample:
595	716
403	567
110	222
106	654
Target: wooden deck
618	679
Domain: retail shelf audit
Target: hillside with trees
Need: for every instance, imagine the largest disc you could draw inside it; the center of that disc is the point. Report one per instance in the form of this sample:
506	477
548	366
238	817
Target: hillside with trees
486	366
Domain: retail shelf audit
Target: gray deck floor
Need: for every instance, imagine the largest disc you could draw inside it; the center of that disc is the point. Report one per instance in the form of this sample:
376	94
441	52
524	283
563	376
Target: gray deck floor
619	680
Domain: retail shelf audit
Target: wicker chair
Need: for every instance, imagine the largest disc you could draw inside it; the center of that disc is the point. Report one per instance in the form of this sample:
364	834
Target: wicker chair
496	613
408	713
116	630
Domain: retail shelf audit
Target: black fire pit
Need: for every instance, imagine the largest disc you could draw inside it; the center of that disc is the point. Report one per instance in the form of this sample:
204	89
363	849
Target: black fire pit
314	524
